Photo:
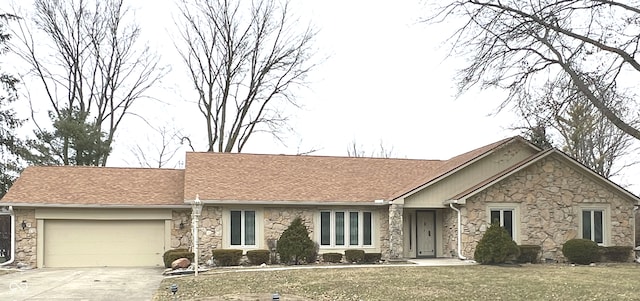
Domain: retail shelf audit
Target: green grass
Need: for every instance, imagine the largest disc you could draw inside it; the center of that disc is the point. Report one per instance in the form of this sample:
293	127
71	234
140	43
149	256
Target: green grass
528	282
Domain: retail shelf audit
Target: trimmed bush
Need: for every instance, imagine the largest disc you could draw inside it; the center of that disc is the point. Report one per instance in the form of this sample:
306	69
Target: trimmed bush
581	251
258	257
528	253
496	246
356	256
332	257
616	253
226	257
294	244
372	257
171	255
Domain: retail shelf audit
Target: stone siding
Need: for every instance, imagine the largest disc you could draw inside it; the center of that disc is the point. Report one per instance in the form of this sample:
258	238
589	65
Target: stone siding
181	238
549	194
396	243
26	240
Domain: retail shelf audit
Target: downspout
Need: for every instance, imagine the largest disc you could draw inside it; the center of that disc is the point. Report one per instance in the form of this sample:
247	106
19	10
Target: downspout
13	238
460	256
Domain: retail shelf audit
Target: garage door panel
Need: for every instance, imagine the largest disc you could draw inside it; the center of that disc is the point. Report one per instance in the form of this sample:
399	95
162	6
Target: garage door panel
76	243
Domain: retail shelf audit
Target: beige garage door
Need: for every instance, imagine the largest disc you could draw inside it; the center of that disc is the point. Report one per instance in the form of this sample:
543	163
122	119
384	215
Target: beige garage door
82	243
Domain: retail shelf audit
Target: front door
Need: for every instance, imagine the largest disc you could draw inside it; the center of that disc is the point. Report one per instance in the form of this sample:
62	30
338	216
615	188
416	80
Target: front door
426	233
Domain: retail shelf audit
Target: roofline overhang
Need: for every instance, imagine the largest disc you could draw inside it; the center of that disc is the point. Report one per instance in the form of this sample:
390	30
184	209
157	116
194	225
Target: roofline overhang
464	165
289	203
112	206
540	156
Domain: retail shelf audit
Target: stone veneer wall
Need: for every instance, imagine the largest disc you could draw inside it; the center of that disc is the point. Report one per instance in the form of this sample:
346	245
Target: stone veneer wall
548	192
181	238
275	221
396	243
26	240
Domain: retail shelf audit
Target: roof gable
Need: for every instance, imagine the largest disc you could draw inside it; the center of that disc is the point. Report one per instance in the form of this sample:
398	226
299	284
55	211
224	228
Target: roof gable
457	163
537	157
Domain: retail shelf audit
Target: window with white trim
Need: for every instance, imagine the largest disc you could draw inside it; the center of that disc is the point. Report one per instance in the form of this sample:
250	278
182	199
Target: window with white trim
593	225
346	228
507	215
243	228
504	217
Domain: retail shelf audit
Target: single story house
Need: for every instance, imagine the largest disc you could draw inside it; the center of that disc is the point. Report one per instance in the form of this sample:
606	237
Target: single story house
63	216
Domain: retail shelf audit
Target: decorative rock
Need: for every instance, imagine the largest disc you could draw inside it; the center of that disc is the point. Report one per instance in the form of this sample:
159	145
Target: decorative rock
180	263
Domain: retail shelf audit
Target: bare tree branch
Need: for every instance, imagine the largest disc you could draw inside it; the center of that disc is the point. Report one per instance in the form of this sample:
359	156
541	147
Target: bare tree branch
244	59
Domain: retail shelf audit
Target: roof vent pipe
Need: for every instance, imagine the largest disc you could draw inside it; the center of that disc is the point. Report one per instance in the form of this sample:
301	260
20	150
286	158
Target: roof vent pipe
13	238
460	256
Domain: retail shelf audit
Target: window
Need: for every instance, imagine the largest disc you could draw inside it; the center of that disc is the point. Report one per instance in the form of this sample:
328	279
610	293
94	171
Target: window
243	228
593	225
346	228
505	218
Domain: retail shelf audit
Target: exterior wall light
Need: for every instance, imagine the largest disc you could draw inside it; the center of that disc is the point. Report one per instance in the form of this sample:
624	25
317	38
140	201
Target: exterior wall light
181	225
24	225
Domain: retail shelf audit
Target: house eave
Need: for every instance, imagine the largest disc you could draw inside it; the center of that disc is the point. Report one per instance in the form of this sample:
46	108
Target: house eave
114	206
292	203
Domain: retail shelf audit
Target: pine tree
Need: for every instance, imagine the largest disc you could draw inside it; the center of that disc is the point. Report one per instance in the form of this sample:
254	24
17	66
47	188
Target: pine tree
495	246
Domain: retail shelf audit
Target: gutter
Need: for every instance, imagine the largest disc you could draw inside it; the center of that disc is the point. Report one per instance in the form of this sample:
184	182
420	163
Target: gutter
13	238
451	202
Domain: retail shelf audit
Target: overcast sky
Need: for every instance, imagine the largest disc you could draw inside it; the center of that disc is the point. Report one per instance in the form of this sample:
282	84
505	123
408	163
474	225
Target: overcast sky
385	78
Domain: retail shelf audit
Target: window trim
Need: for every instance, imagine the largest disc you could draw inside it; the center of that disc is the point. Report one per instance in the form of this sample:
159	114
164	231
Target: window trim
515	209
346	229
606	221
258	231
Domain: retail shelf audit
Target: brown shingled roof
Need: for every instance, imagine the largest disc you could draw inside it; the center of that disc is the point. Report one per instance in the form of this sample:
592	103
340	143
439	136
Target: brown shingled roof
97	186
247	177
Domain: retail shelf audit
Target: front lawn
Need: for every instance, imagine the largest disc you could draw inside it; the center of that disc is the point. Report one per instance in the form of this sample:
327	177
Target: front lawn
528	282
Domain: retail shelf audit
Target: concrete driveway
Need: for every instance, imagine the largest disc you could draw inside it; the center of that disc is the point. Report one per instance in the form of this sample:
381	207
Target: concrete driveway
81	284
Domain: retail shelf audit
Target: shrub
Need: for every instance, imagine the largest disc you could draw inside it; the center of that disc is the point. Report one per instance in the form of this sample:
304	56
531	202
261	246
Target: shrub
294	244
581	251
372	257
171	255
332	257
312	256
354	256
227	257
528	253
257	257
495	246
616	253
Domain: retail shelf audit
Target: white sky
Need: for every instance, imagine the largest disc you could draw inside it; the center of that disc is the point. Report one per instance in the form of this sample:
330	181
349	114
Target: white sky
386	79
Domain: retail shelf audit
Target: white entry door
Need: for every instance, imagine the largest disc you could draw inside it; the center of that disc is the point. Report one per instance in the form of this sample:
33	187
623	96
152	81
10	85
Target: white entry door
426	233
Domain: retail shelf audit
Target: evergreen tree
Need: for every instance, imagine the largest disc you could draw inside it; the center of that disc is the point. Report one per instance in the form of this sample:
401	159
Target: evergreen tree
294	244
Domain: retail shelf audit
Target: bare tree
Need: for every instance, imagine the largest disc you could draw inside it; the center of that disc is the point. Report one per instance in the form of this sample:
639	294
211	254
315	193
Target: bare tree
160	148
578	128
357	150
92	69
518	45
244	59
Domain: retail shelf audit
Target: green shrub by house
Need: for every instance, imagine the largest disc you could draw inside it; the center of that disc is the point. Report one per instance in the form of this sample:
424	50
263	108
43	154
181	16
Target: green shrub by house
332	257
312	256
294	244
496	246
356	256
258	257
529	253
372	257
581	251
616	253
226	257
171	255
